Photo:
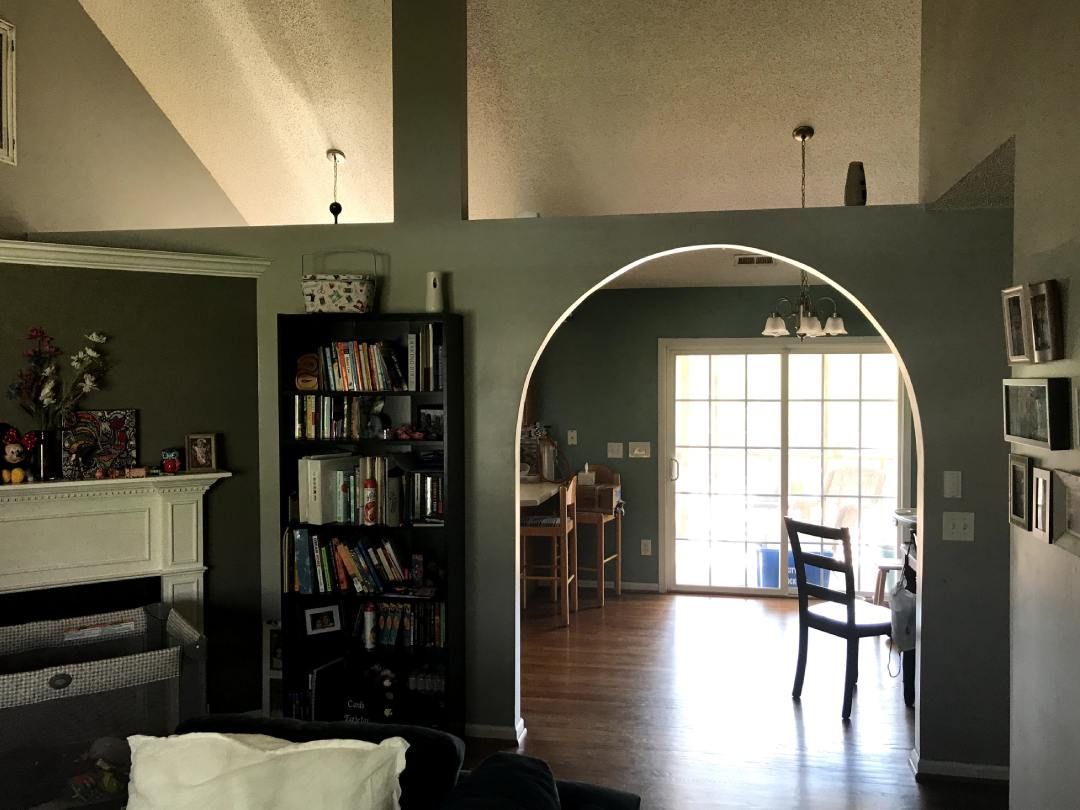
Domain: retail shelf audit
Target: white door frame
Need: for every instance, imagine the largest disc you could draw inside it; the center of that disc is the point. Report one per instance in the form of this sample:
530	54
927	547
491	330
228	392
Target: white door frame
667	350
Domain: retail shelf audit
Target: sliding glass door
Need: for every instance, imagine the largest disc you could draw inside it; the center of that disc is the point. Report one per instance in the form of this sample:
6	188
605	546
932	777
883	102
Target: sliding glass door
753	431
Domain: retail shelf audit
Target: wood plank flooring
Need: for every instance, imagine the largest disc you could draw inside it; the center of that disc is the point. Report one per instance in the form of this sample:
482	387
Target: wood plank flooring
686	700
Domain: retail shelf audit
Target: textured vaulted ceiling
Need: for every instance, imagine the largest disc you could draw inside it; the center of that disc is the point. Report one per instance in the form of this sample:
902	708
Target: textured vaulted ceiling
575	108
714	267
260	89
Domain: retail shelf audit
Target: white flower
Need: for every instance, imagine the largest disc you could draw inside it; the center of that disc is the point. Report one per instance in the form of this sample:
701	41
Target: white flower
48	392
88	384
91	352
49	370
77	361
96	337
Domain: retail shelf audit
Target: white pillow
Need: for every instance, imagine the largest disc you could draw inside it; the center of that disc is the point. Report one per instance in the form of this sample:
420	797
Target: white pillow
255	772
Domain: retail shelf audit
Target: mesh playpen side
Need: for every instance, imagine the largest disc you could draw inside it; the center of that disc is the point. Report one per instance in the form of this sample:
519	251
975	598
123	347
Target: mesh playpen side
72	690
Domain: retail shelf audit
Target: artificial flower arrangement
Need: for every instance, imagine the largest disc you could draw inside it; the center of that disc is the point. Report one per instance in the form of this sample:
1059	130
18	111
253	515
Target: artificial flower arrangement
41	389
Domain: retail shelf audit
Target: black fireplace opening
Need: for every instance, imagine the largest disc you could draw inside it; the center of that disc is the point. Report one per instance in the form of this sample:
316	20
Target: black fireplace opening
71	601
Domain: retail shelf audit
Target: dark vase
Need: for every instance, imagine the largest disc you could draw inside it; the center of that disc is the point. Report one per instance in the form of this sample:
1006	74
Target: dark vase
50	455
855	187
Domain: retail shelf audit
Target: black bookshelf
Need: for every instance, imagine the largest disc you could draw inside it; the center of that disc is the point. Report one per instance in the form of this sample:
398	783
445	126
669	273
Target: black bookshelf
415	674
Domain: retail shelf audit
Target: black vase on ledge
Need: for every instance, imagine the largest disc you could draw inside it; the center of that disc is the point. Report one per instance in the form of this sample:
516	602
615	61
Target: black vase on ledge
50	455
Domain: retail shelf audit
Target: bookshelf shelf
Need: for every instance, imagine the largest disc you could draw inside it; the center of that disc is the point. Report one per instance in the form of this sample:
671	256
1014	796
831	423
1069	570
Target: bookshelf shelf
421	644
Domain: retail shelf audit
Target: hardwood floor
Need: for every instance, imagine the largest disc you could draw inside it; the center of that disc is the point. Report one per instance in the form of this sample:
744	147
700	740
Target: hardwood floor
686	700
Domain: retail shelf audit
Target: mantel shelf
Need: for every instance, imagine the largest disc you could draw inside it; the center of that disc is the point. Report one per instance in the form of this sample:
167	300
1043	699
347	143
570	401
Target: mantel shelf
111	487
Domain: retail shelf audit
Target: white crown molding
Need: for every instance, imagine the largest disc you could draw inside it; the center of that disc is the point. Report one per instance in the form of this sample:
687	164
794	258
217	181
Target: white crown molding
49	254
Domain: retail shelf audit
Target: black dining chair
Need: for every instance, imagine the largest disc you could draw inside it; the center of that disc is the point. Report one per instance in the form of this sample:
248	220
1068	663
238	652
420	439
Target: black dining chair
840	613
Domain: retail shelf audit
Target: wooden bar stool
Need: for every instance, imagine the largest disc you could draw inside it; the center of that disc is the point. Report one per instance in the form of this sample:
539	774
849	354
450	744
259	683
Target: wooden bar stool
599	513
883	569
561	530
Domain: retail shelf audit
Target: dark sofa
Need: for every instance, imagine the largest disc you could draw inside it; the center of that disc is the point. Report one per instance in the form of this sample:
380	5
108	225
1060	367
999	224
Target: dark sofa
433	766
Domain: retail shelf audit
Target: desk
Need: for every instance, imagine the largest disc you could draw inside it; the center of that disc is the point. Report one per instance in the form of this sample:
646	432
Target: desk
536	494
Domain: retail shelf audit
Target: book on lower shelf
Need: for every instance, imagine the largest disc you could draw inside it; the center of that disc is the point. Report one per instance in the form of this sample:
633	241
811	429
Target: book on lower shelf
317	561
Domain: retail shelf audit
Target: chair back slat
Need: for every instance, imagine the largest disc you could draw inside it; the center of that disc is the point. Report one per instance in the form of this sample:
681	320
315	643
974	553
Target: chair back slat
802	559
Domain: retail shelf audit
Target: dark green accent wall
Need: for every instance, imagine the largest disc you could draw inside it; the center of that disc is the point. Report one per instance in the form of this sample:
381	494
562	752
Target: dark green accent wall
598	376
184	353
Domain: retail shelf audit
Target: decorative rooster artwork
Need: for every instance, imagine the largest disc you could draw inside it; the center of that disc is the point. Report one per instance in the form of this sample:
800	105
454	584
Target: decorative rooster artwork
98	442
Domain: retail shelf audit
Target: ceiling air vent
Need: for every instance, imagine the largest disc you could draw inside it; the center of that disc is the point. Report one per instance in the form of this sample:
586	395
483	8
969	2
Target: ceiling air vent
749	258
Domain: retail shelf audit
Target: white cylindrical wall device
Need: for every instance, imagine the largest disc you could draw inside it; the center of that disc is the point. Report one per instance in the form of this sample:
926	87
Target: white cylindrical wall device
434	301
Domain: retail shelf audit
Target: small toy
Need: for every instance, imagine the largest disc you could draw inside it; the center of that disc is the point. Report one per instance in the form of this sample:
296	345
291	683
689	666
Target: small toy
170	461
408	433
15	454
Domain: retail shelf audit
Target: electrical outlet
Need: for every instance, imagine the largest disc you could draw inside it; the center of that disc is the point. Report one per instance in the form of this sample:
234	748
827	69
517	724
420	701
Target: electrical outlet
646	547
953	484
614	449
571	438
959	527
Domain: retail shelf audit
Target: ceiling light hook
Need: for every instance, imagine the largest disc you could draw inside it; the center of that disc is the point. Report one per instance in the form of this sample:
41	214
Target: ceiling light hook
336	156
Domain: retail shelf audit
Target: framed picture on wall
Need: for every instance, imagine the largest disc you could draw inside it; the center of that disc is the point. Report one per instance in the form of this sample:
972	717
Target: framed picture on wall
1044	317
1041	504
99	443
1064	506
1014	307
1038	412
1020	491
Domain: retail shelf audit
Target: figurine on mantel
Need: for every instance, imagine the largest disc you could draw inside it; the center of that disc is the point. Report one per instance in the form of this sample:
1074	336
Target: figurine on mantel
15	456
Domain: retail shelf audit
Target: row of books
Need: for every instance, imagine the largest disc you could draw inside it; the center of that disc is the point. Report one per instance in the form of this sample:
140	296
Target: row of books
353	366
317	563
404	624
367	490
322	416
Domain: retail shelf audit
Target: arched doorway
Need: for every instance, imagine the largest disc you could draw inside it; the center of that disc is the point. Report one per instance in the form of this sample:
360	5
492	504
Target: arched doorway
854	303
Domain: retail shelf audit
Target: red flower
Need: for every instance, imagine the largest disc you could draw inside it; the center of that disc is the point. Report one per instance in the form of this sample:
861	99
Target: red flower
29	441
11	436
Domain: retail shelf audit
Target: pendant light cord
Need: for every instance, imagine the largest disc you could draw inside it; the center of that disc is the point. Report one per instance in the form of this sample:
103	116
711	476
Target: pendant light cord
804	176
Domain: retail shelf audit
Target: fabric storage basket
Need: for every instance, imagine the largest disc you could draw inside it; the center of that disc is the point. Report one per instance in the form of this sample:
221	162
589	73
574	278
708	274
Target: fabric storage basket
338	292
72	690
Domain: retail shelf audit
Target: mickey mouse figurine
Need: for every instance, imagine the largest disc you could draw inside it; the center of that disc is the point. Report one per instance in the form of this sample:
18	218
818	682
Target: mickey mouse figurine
15	455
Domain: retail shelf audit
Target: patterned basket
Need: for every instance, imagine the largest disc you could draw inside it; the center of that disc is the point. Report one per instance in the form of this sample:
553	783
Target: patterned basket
338	292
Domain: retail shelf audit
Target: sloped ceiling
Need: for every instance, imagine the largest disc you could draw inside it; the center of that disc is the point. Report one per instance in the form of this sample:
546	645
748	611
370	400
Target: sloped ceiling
260	89
575	108
714	267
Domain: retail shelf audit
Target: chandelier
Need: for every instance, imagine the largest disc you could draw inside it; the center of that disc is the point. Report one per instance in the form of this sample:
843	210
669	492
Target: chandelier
803	311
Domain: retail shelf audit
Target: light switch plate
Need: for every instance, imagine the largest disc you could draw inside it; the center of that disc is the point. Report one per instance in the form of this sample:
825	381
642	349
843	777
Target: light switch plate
614	449
953	484
640	450
646	547
571	438
958	527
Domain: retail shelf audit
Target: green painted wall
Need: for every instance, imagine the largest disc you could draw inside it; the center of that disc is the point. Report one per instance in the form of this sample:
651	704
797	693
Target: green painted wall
514	279
598	375
184	354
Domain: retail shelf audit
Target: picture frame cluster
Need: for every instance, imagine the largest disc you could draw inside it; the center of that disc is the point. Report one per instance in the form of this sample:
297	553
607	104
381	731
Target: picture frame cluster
1034	330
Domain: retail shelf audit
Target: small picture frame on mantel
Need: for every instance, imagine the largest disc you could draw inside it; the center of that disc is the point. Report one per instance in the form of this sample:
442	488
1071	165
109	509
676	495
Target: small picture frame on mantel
202	451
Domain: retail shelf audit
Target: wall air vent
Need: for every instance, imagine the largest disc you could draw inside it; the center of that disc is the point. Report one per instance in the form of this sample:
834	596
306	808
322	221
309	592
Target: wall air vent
749	258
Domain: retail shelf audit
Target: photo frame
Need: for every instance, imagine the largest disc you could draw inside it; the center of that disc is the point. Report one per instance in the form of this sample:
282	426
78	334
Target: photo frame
1016	315
1044	320
99	443
1038	412
1065	507
202	452
1041	504
431	422
325	619
1020	491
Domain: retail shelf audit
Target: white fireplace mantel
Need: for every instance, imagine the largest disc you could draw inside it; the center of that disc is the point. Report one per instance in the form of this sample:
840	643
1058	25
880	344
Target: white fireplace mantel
73	532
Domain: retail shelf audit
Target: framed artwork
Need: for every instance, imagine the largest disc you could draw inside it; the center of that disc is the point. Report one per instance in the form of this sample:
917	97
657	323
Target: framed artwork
7	92
1041	504
1020	491
322	620
1014	307
1038	412
1044	317
99	442
431	422
1064	506
202	452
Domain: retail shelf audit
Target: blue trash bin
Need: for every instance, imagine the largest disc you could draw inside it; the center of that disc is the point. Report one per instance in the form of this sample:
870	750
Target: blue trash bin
768	576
